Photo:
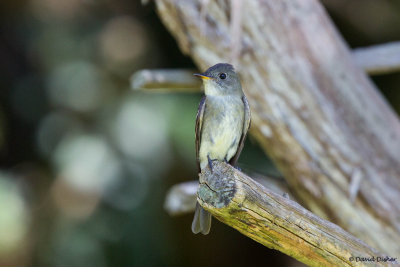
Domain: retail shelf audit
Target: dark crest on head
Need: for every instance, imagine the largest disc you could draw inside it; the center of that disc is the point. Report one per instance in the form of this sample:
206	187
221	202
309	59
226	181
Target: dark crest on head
224	75
220	67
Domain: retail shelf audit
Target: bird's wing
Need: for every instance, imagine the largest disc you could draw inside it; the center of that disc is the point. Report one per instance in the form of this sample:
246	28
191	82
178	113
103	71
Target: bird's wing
246	126
198	128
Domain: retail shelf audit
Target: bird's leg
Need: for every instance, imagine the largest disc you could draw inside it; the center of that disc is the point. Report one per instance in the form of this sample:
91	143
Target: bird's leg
210	163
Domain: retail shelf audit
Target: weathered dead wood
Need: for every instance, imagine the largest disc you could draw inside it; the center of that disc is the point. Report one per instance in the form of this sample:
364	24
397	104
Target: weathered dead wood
181	198
280	223
314	111
379	59
165	79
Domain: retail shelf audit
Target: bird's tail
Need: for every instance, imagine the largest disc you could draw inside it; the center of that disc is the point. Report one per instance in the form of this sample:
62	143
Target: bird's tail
201	221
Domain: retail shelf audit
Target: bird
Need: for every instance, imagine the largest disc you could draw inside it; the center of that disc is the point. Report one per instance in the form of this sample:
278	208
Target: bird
222	121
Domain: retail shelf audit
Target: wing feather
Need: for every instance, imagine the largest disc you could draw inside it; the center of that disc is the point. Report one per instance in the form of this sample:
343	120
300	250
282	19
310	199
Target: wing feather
246	126
198	129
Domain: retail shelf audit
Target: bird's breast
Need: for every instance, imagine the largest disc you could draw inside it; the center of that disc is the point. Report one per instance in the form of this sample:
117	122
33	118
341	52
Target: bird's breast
222	128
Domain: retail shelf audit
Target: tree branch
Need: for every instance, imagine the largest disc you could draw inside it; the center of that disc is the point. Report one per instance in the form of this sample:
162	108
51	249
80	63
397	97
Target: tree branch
166	80
278	222
378	59
181	198
314	112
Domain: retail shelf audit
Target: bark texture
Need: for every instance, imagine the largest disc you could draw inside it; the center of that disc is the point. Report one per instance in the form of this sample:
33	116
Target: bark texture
181	198
315	113
280	223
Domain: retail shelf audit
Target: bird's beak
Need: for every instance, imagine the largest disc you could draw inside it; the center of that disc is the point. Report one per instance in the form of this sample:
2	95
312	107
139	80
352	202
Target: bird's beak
202	76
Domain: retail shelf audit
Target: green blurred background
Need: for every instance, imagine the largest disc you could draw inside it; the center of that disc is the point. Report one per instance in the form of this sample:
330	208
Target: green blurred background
86	162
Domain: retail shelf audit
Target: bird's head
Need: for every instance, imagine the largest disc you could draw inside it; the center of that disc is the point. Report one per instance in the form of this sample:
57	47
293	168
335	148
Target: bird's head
221	79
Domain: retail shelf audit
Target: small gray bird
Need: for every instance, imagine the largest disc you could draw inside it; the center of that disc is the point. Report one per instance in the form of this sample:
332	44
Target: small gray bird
222	121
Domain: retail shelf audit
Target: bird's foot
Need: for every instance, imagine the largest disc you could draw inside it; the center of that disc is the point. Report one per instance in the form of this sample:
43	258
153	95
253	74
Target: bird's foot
237	168
210	161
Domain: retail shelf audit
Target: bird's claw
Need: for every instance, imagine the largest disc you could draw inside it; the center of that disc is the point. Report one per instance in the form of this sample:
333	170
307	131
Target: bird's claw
210	161
237	168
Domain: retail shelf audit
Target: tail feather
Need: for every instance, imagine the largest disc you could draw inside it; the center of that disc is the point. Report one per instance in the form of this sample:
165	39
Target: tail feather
201	221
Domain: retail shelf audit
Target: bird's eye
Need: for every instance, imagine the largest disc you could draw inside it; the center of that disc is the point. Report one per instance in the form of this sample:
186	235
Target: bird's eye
222	76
